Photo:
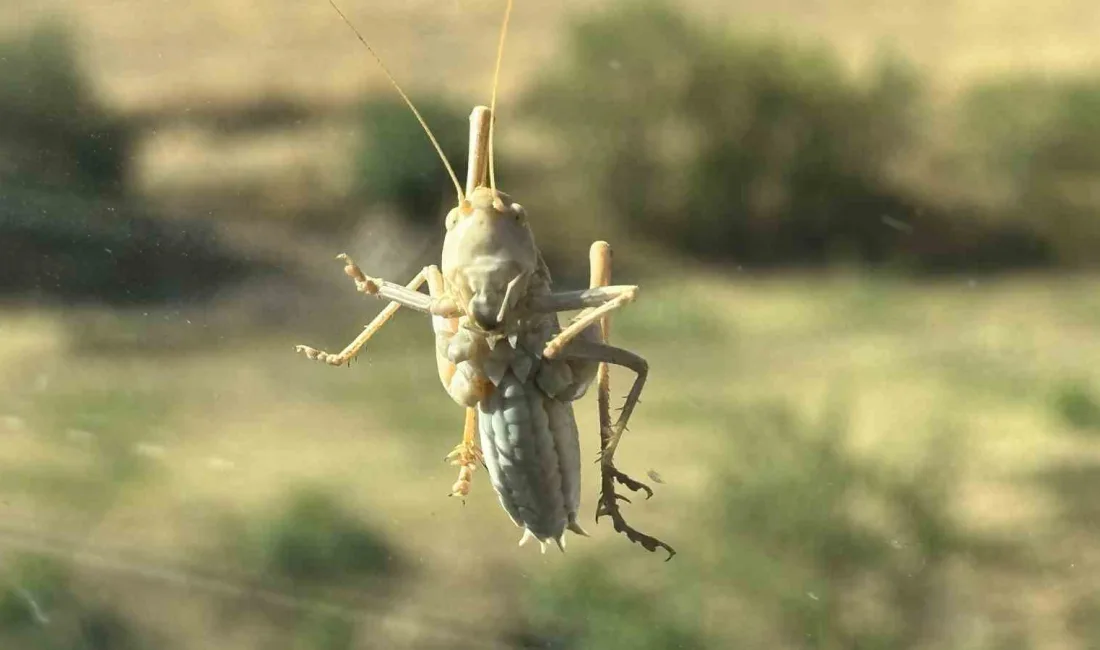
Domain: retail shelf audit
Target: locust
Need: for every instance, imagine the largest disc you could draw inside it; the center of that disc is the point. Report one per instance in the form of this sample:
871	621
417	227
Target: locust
502	352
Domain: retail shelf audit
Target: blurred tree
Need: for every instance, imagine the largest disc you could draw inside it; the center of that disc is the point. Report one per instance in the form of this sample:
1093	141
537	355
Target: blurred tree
763	152
1077	406
41	608
1040	138
56	136
824	550
397	165
313	540
756	151
586	607
67	227
801	544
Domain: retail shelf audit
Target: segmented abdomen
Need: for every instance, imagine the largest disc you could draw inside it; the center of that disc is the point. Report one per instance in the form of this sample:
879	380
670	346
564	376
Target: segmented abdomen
531	449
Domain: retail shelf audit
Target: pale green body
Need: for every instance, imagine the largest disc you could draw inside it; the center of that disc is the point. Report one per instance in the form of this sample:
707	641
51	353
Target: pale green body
528	432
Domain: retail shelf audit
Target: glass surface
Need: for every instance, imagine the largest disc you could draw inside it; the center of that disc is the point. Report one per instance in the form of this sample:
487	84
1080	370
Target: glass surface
866	237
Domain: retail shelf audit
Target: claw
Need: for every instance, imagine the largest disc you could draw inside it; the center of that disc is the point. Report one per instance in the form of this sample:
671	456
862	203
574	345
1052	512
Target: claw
630	483
608	505
466	458
320	355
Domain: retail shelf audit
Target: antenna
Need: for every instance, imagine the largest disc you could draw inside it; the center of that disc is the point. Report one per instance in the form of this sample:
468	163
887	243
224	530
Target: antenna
419	118
493	101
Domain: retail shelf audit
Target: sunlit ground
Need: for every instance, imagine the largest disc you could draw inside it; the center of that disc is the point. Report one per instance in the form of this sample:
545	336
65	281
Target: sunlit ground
938	407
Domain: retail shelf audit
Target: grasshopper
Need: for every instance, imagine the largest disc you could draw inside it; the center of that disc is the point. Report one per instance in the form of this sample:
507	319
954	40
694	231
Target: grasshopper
502	353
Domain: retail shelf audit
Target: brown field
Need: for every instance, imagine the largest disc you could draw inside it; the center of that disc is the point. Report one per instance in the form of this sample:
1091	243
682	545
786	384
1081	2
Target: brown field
152	55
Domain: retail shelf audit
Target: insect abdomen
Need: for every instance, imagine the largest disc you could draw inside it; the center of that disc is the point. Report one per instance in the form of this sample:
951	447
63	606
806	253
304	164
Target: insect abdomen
531	449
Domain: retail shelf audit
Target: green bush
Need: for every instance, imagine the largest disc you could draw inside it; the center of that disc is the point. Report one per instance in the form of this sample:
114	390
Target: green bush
801	542
1078	407
730	148
822	549
66	228
55	134
325	632
312	546
586	608
760	151
41	609
312	540
1040	139
397	165
63	245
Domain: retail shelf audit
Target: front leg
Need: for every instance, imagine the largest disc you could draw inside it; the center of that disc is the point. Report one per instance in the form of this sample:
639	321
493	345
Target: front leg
404	296
353	348
597	303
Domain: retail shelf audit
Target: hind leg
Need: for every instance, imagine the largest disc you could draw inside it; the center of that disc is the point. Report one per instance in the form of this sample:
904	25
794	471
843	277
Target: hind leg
610	433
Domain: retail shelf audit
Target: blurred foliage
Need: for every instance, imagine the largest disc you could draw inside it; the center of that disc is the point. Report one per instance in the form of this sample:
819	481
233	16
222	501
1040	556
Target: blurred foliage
81	250
397	165
1040	137
764	152
1085	620
756	151
56	136
312	540
1075	483
96	436
312	545
67	227
806	546
324	632
1072	526
1078	406
41	609
587	608
827	551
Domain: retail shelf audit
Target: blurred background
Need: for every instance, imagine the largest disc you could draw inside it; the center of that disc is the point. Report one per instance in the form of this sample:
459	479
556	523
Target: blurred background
867	237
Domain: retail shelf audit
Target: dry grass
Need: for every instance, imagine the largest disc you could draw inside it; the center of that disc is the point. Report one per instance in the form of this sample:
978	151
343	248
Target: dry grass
171	63
150	54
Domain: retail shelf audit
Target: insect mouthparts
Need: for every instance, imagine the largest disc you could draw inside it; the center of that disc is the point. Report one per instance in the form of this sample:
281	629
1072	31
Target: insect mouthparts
483	313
